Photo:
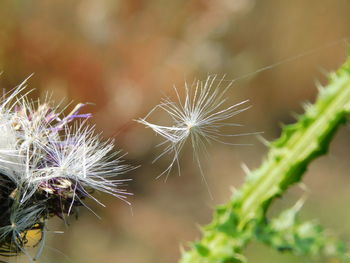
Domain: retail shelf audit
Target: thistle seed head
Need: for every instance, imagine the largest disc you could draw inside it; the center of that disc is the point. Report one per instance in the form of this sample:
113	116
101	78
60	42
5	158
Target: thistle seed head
49	163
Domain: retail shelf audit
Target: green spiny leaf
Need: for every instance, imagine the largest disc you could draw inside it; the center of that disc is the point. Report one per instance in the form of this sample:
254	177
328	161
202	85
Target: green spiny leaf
236	223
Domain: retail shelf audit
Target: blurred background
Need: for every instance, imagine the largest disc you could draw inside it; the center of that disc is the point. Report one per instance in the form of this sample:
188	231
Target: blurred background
123	56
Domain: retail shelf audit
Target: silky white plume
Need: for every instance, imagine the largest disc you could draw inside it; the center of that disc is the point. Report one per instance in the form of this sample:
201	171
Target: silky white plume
38	146
199	117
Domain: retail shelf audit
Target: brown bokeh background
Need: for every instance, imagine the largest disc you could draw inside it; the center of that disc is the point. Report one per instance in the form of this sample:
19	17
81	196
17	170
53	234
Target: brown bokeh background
123	56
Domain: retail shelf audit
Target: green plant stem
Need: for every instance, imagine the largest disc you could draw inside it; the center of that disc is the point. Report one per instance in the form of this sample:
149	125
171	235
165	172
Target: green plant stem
234	223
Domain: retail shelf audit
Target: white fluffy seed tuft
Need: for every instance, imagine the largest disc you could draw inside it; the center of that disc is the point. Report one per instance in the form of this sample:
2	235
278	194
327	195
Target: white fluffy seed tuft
198	118
39	147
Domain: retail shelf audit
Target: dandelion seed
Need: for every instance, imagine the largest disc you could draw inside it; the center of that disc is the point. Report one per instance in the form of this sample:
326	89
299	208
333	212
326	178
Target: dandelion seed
199	118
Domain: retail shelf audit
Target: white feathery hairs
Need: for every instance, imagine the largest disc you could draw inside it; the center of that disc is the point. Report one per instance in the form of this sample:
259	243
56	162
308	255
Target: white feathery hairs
199	117
49	163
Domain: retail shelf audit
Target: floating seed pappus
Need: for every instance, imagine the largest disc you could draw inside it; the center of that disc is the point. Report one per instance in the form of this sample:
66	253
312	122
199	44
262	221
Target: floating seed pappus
49	163
198	118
